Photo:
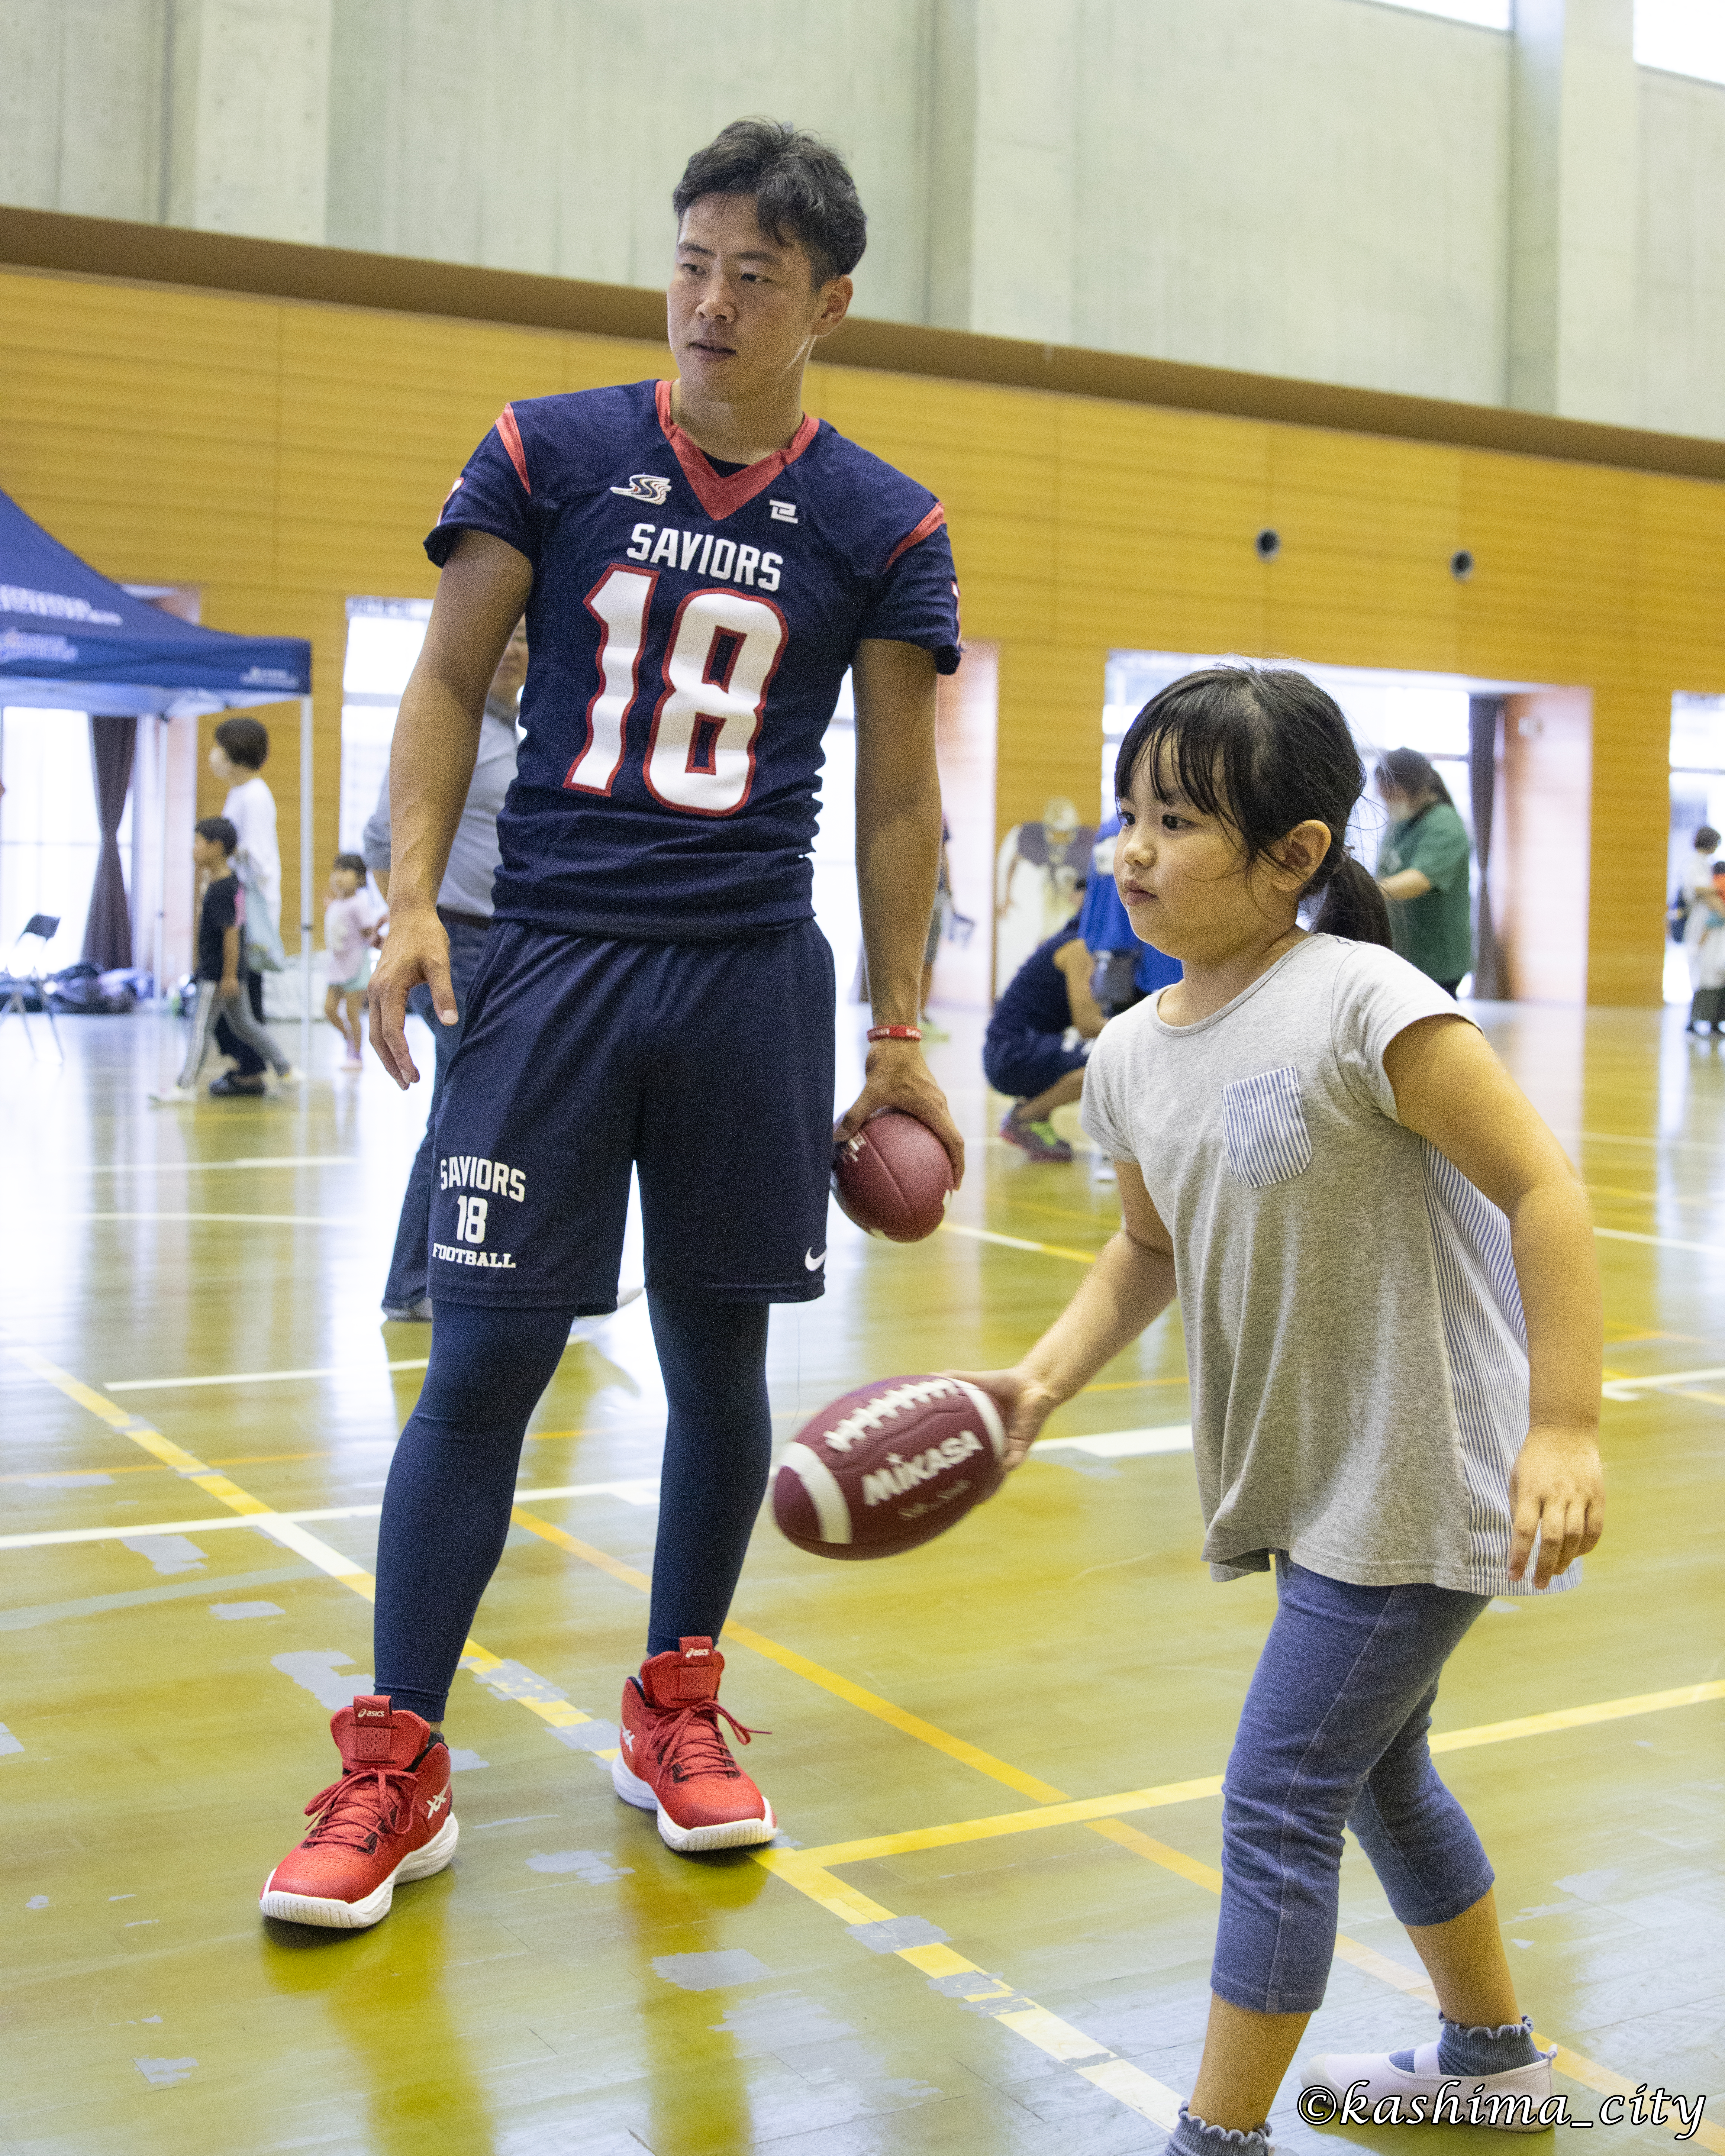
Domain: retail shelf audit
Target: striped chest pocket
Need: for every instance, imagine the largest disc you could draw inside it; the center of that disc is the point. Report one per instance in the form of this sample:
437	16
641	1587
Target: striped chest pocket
1265	1129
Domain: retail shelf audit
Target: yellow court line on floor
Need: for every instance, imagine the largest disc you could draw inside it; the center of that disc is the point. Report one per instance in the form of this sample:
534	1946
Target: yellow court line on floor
558	1713
1576	1717
1083	1810
1072	1811
807	1870
1059	2039
854	1695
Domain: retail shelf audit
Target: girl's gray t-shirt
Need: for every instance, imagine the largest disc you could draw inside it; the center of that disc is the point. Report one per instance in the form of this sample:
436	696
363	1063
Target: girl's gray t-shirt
1354	1333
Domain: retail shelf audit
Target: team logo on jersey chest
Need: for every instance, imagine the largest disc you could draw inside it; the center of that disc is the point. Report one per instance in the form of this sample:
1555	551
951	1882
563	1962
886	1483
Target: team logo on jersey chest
644	486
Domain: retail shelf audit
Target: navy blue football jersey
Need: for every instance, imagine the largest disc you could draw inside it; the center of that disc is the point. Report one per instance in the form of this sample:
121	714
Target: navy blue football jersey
688	631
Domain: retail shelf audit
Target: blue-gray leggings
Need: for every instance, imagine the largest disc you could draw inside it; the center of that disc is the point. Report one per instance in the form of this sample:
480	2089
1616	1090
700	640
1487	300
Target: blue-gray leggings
1333	1732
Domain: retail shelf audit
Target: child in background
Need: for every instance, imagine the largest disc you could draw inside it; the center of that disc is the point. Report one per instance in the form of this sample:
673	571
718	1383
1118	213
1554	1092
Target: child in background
220	923
1385	1266
352	924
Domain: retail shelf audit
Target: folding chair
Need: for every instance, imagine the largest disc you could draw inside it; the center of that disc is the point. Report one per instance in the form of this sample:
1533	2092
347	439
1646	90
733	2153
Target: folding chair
43	927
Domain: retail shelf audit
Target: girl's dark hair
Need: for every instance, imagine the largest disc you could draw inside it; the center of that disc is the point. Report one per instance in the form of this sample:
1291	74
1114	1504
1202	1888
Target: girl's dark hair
355	864
802	186
1262	749
1706	838
1405	772
244	741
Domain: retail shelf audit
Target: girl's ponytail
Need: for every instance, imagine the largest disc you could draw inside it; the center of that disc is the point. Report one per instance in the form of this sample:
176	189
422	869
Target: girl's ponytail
1353	905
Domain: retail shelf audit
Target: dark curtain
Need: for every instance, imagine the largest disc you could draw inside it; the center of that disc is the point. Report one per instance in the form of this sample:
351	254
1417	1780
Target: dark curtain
1484	722
107	934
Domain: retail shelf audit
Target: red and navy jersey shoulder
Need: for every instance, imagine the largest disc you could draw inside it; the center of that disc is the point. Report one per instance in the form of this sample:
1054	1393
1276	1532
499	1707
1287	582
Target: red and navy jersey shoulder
689	628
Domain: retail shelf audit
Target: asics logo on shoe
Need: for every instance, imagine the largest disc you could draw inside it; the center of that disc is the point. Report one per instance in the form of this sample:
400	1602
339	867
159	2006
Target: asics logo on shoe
371	1713
628	1741
434	1805
813	1260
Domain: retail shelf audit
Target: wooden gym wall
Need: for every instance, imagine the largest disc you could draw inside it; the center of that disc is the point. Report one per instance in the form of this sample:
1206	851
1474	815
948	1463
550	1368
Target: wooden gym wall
284	453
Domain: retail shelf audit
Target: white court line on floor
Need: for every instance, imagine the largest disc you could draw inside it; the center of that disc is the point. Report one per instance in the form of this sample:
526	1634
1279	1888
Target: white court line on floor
634	1489
1624	1138
260	1160
268	1219
1662	1242
1627	1389
1122	1443
989	1235
260	1377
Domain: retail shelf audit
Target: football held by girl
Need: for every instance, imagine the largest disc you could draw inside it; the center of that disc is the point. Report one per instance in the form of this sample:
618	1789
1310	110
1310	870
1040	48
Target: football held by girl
1386	1273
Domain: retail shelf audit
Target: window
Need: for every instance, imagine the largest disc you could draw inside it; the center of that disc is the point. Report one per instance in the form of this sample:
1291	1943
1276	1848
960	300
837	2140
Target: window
1385	711
49	838
1697	798
1486	15
1682	37
383	640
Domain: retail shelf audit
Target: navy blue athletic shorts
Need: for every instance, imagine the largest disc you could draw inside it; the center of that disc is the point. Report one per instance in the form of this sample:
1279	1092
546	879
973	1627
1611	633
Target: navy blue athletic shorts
706	1067
1024	1064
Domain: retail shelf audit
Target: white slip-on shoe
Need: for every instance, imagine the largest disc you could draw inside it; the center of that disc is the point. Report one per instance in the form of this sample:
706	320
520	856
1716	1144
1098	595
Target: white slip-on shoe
1513	2101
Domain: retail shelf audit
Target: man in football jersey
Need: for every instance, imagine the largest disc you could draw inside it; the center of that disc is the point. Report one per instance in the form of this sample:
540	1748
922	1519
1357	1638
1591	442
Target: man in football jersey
699	564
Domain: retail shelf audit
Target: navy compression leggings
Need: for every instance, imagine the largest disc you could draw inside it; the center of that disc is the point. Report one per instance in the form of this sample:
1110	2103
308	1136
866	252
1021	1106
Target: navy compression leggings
452	1481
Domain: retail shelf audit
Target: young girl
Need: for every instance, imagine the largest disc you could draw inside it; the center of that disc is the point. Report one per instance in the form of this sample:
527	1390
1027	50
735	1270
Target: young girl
352	926
1386	1272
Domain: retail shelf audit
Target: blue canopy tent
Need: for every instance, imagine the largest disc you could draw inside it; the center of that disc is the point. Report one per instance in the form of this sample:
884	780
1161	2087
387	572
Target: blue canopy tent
70	639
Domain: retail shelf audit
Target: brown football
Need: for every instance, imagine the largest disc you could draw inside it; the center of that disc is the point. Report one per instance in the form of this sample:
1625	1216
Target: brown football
893	1178
889	1466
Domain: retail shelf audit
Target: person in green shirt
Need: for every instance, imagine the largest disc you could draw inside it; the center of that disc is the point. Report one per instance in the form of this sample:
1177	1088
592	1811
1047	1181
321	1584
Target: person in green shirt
1423	868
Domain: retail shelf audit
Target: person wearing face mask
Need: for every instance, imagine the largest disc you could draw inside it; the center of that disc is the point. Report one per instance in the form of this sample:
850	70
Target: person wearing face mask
1423	868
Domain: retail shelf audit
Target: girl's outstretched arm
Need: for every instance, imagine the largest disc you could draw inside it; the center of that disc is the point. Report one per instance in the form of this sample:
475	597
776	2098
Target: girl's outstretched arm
1132	1283
1450	1088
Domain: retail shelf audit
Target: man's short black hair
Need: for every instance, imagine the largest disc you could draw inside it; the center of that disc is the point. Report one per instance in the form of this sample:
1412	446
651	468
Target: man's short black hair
220	829
802	186
244	741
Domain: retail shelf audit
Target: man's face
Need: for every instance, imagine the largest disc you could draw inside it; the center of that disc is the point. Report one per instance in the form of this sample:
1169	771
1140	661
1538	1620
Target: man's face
744	309
506	688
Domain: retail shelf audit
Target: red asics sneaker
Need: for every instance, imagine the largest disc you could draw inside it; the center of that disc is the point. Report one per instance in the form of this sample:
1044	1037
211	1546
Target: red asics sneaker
389	1818
673	1757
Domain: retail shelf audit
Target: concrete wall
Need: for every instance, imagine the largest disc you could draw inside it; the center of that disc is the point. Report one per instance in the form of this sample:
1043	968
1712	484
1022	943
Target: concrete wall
1327	188
1681	309
547	135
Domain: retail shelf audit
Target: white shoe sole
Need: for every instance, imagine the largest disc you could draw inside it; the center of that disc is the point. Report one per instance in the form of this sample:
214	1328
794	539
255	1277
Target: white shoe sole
1509	2101
733	1833
360	1916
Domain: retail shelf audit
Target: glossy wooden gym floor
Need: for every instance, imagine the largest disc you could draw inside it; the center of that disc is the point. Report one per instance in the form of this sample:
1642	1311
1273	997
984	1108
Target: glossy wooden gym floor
989	1925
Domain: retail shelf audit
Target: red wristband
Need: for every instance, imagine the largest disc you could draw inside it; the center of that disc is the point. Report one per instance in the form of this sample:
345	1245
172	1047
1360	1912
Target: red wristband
895	1033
